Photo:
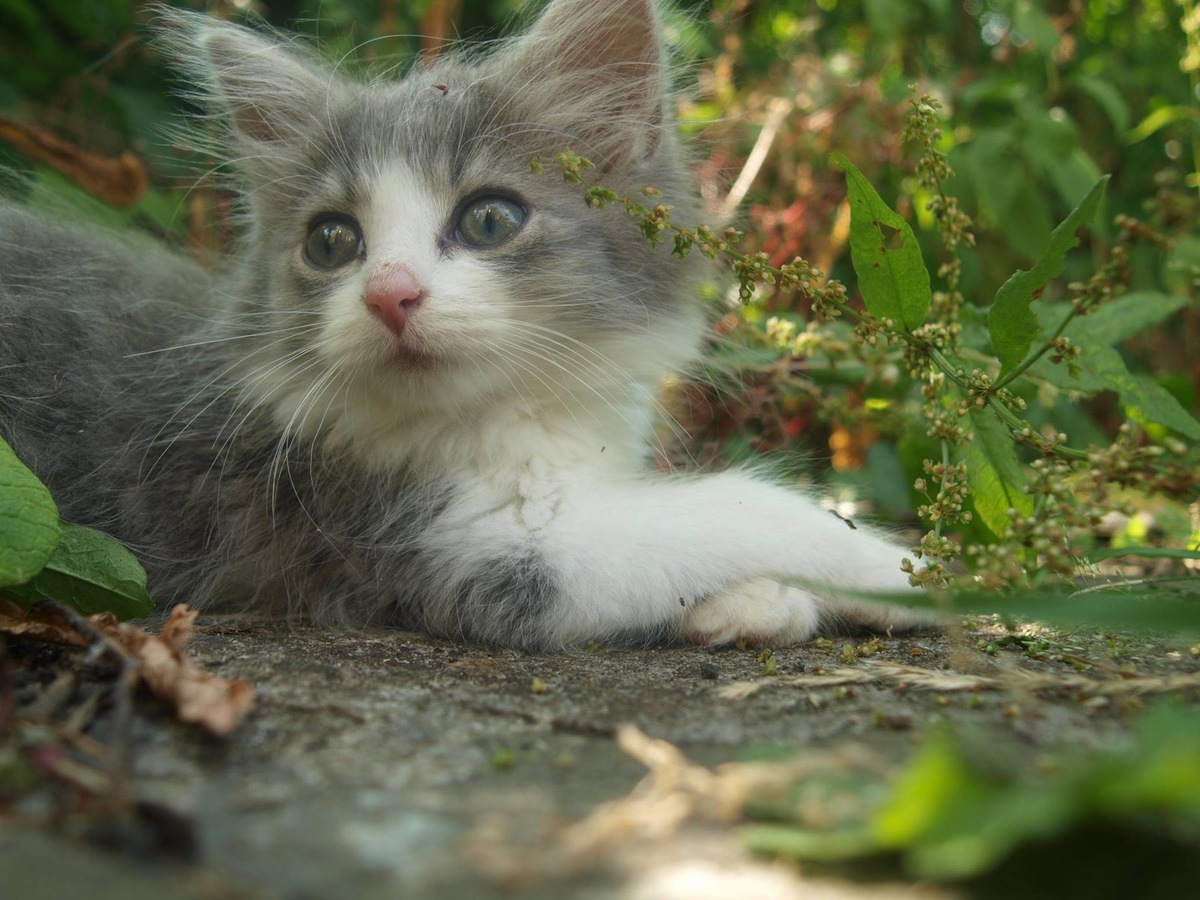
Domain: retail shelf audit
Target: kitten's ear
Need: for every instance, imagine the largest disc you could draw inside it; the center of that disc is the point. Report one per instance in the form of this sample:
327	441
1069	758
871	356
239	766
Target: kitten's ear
601	67
271	92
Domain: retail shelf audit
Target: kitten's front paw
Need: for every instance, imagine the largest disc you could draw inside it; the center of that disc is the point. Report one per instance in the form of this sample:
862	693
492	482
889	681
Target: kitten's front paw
759	612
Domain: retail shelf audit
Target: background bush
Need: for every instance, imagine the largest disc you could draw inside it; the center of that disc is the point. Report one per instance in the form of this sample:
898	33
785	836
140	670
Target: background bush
1038	100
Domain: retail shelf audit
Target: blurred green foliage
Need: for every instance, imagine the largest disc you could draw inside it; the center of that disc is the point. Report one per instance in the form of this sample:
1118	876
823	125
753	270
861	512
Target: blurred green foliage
1040	98
1120	823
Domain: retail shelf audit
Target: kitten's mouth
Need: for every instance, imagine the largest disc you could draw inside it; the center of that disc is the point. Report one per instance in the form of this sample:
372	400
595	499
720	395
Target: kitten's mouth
412	358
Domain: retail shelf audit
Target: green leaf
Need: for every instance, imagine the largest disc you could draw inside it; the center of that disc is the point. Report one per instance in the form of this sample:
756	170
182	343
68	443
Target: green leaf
1160	118
1026	221
1159	773
1101	368
977	831
1073	175
893	279
803	843
29	529
1161	607
1011	321
1118	320
935	778
1032	23
1147	401
994	472
1148	552
91	573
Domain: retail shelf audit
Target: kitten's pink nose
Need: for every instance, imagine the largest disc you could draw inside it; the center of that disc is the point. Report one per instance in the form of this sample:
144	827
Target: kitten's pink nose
392	293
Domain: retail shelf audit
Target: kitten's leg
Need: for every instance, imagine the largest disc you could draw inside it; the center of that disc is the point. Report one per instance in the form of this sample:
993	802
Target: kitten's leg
759	611
669	557
762	611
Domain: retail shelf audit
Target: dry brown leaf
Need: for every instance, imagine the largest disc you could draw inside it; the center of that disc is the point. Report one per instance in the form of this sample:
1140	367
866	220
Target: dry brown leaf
199	697
39	623
119	181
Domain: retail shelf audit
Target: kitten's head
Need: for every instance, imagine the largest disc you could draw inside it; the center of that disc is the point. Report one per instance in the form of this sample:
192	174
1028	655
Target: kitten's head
403	256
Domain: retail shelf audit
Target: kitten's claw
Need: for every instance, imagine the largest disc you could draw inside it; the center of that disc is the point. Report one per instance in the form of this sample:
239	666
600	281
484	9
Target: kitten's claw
759	612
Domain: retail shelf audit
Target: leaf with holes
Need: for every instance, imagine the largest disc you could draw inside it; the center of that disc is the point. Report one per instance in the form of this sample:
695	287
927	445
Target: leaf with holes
893	279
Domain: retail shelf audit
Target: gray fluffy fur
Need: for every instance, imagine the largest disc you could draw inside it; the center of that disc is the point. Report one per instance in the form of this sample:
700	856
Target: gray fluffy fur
117	363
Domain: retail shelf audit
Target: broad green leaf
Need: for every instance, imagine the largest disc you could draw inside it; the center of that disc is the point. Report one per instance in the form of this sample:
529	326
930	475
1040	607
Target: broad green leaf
1120	319
1047	138
1162	607
91	573
1011	321
1148	552
997	165
1073	175
1032	23
29	529
994	472
1026	222
936	778
974	835
829	845
966	801
1101	368
1160	773
1147	401
893	280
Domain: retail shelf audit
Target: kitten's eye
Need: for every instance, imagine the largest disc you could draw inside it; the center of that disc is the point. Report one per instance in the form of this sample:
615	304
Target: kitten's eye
332	243
489	221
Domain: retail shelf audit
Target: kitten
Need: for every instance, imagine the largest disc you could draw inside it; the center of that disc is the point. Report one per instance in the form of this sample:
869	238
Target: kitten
423	392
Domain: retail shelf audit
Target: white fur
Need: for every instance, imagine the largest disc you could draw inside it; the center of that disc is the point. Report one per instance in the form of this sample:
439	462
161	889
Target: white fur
544	433
552	467
636	552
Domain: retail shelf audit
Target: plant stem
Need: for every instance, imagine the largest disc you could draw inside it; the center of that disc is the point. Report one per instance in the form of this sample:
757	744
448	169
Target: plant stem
770	274
1039	353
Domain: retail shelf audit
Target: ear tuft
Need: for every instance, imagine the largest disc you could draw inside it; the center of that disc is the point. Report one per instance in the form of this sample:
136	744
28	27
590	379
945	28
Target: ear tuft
602	66
271	92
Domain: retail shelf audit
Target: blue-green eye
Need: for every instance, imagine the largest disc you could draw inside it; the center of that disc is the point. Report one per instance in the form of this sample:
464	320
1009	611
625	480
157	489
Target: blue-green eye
489	221
333	242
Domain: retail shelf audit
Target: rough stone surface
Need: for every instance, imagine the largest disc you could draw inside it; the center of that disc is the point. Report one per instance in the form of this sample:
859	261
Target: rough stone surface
383	764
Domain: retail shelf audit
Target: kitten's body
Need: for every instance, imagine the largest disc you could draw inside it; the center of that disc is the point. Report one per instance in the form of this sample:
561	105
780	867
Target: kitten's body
434	432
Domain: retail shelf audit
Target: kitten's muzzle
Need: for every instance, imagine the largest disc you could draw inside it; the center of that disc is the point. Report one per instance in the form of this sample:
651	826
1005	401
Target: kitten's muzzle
393	291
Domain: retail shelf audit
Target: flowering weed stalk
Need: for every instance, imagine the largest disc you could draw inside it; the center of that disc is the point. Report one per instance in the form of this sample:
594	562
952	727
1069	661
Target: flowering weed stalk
1039	505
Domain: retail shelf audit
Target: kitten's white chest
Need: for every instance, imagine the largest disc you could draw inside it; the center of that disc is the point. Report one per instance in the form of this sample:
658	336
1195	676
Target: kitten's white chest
539	495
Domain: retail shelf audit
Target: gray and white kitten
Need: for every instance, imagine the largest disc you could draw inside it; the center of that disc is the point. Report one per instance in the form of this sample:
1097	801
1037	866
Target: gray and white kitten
423	392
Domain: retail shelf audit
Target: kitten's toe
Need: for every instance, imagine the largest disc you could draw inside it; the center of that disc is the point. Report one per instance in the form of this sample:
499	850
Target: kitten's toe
848	615
758	612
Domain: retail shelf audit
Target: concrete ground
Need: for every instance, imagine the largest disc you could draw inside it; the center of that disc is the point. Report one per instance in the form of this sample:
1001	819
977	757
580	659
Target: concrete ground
386	764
